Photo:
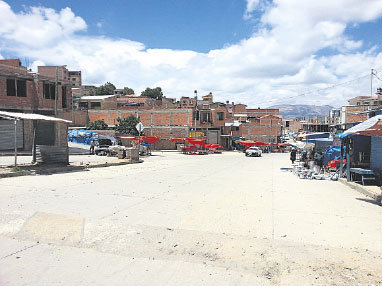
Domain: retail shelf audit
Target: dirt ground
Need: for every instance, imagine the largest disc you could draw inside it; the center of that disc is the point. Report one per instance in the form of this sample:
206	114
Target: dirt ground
221	219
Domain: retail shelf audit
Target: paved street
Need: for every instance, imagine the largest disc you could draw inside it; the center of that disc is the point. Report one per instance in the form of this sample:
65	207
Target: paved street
187	220
8	161
78	153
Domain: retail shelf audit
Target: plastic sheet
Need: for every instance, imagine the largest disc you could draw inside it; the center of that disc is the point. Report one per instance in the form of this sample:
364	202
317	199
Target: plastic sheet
331	153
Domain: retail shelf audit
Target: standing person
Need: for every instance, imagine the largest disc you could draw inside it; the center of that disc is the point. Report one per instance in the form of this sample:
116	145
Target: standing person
92	145
293	155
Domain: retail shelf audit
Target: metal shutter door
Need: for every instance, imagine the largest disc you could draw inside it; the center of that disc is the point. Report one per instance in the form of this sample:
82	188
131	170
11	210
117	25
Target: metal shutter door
376	153
7	134
45	133
212	137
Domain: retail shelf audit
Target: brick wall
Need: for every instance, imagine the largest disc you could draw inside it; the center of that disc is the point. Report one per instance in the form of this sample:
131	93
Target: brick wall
109	103
50	71
14	102
45	103
165	133
295	126
61	135
261	131
261	112
240	108
164	123
12	65
34	91
148	117
351	113
215	117
11	62
28	134
79	117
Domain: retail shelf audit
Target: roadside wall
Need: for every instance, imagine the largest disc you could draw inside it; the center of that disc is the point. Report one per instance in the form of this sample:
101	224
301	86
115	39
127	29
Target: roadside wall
79	118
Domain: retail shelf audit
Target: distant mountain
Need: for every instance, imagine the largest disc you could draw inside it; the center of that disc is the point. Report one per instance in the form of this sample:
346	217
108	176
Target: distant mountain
301	110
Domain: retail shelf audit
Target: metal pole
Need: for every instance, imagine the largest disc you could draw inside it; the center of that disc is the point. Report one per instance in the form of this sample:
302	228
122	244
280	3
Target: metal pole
195	124
196	106
56	93
34	141
73	108
371	83
348	177
139	141
341	160
15	142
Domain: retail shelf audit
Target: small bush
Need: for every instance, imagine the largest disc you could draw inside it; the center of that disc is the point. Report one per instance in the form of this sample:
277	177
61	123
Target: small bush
97	125
16	169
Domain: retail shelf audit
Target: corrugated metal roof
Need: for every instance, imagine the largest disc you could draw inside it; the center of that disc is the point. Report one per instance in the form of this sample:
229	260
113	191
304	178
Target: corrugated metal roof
375	130
362	126
30	116
97	97
233	124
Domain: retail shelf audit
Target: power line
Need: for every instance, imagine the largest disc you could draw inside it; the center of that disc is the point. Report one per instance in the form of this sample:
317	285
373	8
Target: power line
376	76
321	89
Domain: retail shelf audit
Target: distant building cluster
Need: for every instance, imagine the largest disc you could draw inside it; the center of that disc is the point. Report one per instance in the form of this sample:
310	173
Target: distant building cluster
55	90
359	109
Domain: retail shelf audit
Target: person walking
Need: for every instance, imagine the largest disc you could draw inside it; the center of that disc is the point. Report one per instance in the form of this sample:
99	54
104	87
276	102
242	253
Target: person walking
293	155
92	145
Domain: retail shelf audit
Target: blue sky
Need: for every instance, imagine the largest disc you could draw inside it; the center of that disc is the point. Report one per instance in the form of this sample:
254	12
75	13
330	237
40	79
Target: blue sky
175	24
258	52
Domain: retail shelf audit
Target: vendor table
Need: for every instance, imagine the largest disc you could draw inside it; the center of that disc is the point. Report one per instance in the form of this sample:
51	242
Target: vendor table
366	174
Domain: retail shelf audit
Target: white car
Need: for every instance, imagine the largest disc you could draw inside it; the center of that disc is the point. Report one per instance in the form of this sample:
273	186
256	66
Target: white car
253	152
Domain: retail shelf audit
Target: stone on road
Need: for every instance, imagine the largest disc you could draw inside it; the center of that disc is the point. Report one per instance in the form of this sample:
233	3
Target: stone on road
222	219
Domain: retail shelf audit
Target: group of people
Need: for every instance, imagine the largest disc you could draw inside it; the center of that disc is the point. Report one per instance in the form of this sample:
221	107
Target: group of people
307	156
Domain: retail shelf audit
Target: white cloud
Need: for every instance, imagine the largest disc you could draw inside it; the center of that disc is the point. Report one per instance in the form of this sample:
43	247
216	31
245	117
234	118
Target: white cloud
278	61
35	64
252	5
38	26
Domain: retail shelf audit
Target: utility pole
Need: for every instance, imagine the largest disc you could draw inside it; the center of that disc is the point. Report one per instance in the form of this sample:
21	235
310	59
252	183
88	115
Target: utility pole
139	142
72	105
15	141
371	82
56	93
195	113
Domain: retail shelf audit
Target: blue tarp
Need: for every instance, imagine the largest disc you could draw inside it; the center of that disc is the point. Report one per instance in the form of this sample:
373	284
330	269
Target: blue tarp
317	135
81	136
332	153
314	140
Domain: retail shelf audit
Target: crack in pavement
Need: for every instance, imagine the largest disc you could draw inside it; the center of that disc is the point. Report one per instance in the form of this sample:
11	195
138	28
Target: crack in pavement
21	250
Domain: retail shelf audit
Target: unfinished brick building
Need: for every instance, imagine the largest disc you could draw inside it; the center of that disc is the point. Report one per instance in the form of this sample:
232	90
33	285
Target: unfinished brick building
27	92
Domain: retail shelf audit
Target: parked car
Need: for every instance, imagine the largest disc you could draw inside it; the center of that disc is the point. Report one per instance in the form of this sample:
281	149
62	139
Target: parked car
253	152
102	146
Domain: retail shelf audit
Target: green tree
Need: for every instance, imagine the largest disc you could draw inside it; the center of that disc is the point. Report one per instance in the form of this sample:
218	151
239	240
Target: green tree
106	89
128	90
97	125
155	93
127	125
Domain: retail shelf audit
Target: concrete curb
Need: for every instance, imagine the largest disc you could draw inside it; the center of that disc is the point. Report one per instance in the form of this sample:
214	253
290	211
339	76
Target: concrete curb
361	189
64	169
30	154
17	174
